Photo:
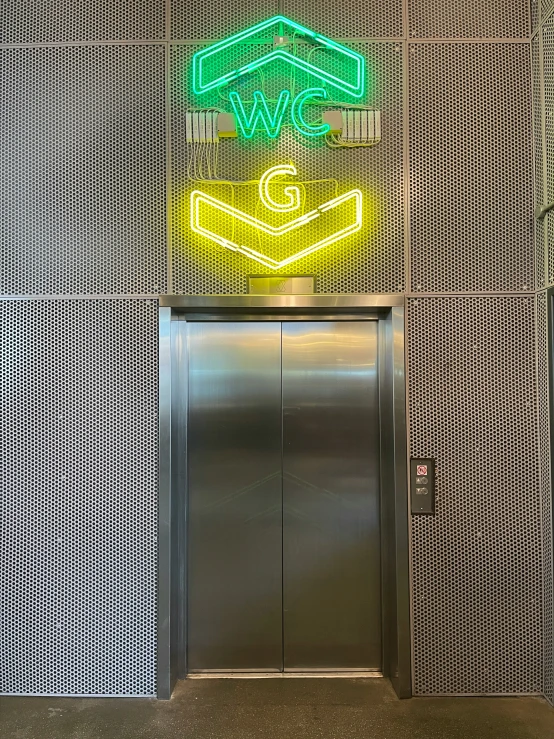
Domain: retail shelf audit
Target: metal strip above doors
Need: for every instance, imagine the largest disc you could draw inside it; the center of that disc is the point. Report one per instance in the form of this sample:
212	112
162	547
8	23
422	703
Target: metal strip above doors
278	303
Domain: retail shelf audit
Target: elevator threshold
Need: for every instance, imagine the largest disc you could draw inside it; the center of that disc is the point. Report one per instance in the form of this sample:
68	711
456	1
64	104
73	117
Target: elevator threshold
351	674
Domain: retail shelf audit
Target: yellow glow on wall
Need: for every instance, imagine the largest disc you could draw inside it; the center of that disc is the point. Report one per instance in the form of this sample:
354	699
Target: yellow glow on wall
292	192
338	217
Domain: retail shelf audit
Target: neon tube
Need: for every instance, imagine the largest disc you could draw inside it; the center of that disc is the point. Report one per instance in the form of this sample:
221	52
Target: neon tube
198	197
355	87
292	191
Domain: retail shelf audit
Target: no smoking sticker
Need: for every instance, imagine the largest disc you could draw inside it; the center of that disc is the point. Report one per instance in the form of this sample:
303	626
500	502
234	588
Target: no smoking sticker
421	469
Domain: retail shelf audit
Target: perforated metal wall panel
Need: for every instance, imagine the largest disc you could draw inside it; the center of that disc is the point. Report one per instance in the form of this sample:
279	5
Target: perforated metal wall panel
540	246
371	260
41	21
535	14
362	19
371	19
82	155
548	61
469	19
83	187
477	564
546	6
546	489
471	187
218	19
78	477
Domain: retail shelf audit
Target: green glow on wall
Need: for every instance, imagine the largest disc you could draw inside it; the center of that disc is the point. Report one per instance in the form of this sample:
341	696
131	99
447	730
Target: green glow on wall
350	81
272	122
297	115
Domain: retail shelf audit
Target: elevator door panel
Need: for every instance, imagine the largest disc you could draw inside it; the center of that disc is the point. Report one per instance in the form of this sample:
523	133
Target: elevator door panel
235	497
331	531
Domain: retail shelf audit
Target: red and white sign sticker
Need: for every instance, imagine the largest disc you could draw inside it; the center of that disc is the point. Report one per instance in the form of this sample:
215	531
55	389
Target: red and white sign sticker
421	469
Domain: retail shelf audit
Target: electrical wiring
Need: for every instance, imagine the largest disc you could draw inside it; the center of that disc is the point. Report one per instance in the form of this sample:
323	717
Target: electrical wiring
255	105
337	142
202	167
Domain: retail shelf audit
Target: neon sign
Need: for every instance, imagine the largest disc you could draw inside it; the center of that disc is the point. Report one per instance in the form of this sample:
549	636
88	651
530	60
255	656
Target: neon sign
260	111
272	121
351	80
276	226
339	69
297	113
204	210
292	192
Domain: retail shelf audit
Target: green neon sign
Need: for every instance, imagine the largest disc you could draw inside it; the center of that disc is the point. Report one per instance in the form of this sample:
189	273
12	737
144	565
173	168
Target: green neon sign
351	79
297	113
272	120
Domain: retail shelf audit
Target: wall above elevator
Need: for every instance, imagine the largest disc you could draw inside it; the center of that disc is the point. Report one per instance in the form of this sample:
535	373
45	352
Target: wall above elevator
93	164
95	157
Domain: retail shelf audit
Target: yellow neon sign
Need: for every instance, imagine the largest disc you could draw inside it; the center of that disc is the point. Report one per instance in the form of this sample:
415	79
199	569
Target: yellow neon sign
204	208
292	191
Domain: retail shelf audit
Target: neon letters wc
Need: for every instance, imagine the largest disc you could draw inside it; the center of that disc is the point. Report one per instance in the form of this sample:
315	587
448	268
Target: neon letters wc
272	120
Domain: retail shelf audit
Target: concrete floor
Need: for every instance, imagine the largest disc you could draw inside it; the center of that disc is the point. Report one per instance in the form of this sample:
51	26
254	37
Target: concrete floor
280	709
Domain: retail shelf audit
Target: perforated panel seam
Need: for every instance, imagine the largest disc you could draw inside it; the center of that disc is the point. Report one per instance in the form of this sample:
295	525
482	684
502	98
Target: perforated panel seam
546	17
544	406
472	294
168	159
387	39
407	218
80	44
196	42
102	296
544	429
544	150
539	441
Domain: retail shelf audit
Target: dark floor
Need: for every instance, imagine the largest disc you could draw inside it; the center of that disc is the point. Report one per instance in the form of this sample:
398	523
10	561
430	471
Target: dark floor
280	709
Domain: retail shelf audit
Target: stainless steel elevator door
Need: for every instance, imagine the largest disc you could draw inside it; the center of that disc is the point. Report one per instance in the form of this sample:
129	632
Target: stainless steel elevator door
283	496
234	497
331	531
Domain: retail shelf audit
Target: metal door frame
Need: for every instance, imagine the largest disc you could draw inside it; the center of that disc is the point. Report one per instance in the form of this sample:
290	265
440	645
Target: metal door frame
389	311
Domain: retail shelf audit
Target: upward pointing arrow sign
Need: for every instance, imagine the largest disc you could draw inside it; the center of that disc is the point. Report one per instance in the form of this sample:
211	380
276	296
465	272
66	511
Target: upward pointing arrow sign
350	79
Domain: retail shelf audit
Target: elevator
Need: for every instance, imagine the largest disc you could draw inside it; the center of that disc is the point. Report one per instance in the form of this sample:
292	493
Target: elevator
283	527
283	503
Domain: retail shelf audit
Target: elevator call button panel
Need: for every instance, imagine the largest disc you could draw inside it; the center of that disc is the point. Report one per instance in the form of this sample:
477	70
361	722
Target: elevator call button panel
422	485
